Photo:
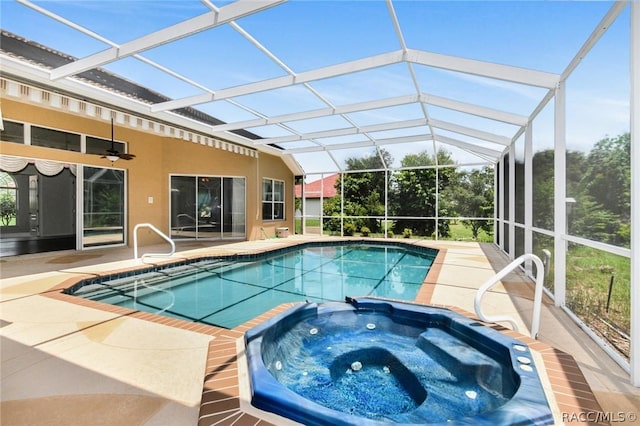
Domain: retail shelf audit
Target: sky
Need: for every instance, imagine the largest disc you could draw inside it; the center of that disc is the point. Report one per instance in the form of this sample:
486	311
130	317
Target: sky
305	35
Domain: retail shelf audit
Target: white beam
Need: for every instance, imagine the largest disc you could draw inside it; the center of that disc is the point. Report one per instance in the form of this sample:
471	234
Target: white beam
616	8
344	132
599	31
324	148
468	146
289	80
484	69
479	134
492	114
486	152
377	142
98	37
180	30
396	24
317	113
64	21
479	111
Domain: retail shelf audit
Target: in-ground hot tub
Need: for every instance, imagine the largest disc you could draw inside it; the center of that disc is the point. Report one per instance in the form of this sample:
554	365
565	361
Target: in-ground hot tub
373	362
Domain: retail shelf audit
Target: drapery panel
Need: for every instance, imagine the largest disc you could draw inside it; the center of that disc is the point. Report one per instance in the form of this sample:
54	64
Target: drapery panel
46	167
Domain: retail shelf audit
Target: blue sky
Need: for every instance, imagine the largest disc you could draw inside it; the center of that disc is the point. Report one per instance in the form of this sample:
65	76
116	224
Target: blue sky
542	35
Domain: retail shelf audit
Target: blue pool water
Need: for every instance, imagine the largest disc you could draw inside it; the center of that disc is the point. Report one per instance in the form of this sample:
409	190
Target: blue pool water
374	362
228	292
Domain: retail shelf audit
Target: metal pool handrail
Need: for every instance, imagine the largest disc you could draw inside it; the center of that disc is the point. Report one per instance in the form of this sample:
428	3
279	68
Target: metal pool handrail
537	299
157	231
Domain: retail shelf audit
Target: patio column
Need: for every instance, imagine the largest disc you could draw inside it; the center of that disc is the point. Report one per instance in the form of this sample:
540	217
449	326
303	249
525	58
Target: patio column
528	194
303	205
512	201
501	210
341	204
437	209
560	195
635	193
386	201
497	200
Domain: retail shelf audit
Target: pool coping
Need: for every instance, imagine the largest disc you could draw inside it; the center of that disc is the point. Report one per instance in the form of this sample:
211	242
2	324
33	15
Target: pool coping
221	396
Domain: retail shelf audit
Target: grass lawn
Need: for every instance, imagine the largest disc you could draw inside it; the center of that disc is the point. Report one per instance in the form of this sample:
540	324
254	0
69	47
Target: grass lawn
458	232
589	274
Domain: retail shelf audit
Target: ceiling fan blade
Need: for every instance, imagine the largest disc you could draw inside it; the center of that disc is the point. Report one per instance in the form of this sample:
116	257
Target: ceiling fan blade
113	152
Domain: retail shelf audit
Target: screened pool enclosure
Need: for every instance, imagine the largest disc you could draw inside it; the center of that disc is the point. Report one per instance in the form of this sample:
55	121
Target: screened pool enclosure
516	123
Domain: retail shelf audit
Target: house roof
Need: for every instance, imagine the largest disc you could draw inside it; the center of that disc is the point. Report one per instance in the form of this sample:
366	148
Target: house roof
38	54
325	187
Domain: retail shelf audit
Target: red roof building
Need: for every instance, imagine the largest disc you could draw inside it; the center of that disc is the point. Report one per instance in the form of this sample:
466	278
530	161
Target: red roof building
325	187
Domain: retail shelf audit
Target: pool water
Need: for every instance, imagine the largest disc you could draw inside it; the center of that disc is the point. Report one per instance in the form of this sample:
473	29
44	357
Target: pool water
375	362
353	361
228	293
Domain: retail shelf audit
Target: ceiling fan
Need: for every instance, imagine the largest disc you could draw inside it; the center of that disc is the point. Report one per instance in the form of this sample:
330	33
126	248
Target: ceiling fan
113	154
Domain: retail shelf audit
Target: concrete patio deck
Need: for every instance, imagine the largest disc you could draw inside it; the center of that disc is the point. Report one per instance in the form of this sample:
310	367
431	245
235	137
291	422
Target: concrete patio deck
78	363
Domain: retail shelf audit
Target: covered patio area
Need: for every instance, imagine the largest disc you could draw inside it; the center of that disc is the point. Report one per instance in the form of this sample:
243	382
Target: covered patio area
487	130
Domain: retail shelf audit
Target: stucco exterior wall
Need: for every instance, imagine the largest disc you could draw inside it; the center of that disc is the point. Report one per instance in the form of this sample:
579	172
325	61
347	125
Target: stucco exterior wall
157	157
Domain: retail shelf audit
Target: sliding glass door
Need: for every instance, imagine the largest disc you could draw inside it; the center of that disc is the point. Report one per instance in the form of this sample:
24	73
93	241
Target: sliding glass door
103	217
207	207
233	208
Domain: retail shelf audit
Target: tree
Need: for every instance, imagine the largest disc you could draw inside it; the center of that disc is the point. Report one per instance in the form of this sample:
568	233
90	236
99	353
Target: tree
603	193
599	181
590	220
476	189
8	208
543	189
331	208
364	191
543	183
414	192
607	177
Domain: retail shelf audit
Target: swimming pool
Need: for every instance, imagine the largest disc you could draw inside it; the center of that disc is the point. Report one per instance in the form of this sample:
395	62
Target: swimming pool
376	362
228	291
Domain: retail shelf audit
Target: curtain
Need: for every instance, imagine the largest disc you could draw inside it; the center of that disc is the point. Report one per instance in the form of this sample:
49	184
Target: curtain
47	168
12	164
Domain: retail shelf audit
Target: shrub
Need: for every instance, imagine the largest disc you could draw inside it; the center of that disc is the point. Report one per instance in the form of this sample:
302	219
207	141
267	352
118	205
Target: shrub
407	233
389	233
365	231
349	229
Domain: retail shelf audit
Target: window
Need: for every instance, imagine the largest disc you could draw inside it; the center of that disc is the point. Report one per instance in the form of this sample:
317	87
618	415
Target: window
8	200
57	139
13	132
272	199
100	146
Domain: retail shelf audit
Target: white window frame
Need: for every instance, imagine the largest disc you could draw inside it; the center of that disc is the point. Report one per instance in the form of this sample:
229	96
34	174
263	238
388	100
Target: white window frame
270	198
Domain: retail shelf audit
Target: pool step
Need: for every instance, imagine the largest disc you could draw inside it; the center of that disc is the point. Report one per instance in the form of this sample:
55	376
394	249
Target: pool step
149	281
462	360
